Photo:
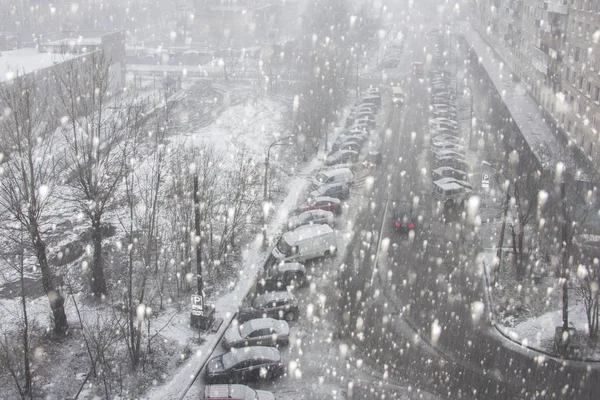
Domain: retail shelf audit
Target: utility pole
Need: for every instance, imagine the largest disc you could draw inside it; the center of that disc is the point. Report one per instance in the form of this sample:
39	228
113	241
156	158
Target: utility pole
197	234
565	259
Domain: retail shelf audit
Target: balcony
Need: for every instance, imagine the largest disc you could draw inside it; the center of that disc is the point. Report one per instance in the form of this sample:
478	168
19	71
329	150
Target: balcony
557	8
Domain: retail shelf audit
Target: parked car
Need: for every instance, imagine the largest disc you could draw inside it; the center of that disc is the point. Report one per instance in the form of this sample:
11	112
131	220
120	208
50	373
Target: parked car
337	190
462	183
243	365
347	145
444	145
321	203
278	305
364	120
454	162
449	172
403	218
373	160
235	392
312	217
441	153
342	157
437	131
257	332
357	136
343	175
282	276
442	137
450	194
305	243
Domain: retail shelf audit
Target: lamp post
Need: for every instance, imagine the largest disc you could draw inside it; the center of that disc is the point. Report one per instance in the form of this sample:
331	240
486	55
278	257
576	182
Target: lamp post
275	143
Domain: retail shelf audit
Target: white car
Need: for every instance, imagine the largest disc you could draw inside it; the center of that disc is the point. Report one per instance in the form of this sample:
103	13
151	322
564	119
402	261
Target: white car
312	217
257	332
342	157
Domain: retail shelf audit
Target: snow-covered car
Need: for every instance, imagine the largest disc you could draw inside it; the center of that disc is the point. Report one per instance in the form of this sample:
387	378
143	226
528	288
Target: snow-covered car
450	194
278	305
462	183
364	120
346	145
235	392
337	190
447	145
443	137
250	364
321	203
342	157
439	131
282	276
312	217
441	153
257	332
449	172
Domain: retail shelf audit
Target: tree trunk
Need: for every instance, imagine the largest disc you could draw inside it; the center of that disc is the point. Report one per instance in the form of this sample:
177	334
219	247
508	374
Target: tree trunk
520	255
27	387
197	233
98	282
55	298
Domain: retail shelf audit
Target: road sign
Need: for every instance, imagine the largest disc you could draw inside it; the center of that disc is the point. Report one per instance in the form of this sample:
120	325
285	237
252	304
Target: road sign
485	180
197	305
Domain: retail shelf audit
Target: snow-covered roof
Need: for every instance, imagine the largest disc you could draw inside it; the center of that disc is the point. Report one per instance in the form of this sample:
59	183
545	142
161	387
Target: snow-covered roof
28	60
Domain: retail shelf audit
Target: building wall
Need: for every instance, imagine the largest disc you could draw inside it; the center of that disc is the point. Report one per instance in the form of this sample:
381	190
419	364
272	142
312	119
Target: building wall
553	48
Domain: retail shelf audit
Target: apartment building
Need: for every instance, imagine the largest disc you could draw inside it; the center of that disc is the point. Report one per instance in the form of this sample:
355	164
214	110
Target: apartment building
553	48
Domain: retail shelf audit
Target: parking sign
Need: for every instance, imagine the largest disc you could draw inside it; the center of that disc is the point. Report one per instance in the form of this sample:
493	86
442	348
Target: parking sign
197	305
485	180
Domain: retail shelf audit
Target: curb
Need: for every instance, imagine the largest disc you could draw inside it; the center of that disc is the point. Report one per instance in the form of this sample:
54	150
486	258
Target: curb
500	330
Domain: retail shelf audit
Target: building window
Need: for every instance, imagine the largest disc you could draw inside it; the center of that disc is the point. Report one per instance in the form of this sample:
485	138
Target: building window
598	7
580	108
587	31
576	57
597	94
588	88
580	83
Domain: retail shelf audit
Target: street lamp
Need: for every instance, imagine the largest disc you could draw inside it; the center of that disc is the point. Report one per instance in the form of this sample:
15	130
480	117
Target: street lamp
275	143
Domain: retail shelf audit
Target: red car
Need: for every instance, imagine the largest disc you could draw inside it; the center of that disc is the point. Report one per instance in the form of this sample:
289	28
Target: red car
322	203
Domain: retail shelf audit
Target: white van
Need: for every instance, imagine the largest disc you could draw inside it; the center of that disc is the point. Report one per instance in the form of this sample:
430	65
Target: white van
305	243
450	193
338	175
398	96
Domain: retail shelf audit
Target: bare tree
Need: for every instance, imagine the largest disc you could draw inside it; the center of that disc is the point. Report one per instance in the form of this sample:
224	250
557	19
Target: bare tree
14	356
525	195
588	281
29	173
93	133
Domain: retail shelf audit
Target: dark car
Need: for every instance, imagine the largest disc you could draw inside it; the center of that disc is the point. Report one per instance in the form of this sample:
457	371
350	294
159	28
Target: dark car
282	276
321	203
342	157
347	145
404	220
278	305
257	332
338	190
449	172
243	365
373	160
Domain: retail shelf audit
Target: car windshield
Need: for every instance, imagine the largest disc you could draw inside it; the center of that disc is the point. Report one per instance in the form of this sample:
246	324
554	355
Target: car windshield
284	247
322	178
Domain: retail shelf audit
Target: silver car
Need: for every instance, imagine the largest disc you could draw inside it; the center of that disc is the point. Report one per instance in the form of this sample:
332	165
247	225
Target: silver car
312	217
258	332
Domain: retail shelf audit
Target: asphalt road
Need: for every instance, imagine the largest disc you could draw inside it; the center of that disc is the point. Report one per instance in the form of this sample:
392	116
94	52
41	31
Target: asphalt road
431	283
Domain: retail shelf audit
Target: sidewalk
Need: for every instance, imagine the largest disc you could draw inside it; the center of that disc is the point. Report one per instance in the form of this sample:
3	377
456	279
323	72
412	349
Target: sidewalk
522	107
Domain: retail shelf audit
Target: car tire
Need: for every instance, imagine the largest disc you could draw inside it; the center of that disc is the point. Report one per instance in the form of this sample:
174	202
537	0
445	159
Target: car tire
289	316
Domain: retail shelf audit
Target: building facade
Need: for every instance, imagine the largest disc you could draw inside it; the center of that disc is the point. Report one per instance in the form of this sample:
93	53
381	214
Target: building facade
552	47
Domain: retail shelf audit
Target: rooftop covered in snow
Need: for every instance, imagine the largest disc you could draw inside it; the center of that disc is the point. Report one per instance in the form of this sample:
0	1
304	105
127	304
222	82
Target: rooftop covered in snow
28	60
